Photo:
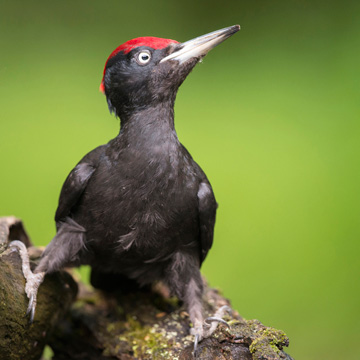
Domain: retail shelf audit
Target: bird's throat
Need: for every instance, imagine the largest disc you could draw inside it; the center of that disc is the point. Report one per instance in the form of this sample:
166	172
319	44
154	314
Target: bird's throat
150	126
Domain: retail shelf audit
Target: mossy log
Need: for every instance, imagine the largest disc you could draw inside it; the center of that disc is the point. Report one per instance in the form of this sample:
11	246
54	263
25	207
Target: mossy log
141	324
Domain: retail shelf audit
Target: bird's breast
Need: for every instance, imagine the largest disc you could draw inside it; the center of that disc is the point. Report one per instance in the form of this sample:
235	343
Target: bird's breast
143	204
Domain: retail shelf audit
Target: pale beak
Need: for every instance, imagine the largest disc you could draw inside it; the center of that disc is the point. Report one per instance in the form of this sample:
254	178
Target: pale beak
201	45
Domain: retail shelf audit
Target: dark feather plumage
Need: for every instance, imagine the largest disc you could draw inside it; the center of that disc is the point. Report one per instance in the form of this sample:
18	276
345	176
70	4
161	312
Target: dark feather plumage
139	207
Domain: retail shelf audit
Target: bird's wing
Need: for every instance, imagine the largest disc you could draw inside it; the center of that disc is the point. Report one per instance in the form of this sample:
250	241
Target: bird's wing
76	183
207	211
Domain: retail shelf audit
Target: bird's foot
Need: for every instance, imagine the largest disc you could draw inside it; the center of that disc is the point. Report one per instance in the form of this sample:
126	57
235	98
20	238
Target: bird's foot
205	329
33	281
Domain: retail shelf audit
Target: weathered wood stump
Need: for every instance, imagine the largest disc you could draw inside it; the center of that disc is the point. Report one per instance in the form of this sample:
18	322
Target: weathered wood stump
18	339
140	324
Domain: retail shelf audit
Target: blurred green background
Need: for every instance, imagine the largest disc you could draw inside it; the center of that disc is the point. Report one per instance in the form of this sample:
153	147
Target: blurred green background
272	116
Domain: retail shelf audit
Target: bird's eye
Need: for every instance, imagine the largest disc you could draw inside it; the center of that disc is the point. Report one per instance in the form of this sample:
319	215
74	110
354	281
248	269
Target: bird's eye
143	57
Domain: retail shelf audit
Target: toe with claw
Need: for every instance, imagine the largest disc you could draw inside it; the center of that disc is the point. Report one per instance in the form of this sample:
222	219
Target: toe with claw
209	325
198	332
33	281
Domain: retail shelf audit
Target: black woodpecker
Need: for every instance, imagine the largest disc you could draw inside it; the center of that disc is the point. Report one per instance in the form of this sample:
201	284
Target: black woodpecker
139	207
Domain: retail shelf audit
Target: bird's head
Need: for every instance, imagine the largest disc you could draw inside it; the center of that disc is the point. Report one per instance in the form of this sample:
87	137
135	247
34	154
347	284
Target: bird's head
145	71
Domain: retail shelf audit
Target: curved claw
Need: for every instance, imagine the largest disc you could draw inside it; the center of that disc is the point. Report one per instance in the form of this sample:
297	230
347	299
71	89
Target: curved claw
31	309
217	319
196	342
30	305
32	314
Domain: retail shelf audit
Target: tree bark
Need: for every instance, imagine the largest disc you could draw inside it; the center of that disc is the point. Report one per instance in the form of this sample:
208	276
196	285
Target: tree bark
18	339
140	324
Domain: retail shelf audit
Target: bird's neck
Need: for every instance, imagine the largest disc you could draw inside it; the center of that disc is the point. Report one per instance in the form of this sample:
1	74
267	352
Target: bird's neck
149	125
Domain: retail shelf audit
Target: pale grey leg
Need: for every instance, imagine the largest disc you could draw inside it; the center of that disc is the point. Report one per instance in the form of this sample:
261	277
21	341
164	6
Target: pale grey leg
33	281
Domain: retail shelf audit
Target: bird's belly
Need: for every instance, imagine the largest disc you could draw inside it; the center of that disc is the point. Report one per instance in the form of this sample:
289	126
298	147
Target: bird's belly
129	229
